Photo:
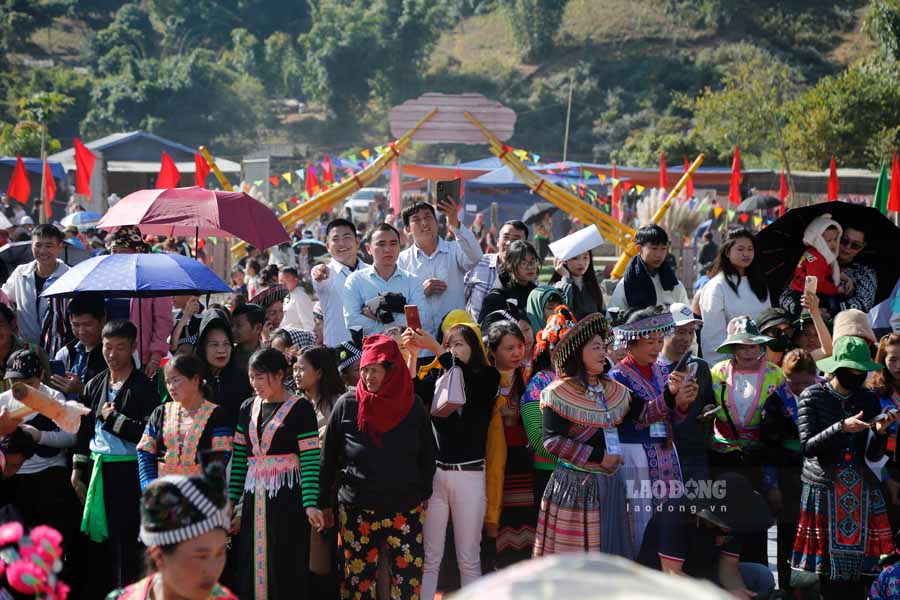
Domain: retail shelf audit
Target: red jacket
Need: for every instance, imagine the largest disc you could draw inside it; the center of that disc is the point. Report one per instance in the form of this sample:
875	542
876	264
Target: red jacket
813	263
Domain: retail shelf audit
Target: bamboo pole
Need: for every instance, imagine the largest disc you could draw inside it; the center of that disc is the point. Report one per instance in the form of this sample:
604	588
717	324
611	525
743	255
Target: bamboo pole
315	206
215	169
632	249
609	228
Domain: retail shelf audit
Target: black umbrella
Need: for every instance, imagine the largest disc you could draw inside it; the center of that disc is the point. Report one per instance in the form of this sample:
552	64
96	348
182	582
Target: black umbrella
314	247
780	245
758	202
537	211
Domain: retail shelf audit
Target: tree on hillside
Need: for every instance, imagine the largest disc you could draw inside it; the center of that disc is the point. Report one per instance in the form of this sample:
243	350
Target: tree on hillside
883	25
359	50
19	19
34	113
748	111
535	22
854	115
207	22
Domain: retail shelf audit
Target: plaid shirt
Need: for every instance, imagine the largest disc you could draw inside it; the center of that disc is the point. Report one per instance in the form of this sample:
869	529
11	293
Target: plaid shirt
479	282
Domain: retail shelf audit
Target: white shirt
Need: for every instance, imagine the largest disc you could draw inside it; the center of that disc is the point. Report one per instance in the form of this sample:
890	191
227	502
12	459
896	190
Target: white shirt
30	310
664	297
331	298
449	262
53	439
298	311
718	305
746	386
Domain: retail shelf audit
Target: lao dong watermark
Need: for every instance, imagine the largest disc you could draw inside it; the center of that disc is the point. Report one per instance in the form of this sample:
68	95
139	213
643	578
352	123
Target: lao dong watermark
690	496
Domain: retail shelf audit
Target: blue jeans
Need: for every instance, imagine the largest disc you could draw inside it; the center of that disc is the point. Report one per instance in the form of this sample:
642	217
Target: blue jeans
757	578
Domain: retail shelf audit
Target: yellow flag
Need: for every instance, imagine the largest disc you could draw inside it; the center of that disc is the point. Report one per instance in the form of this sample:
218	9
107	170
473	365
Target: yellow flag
614	182
283	206
287	176
366	154
602	177
718	211
757	221
640	189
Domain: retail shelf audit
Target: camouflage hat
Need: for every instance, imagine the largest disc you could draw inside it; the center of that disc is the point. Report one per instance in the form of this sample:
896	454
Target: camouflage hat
742	330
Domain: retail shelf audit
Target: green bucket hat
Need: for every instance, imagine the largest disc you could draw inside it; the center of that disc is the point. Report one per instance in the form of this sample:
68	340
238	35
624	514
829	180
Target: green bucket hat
742	330
850	352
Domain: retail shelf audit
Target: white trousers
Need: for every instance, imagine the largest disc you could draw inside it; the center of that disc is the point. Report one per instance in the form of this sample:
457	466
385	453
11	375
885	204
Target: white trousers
460	495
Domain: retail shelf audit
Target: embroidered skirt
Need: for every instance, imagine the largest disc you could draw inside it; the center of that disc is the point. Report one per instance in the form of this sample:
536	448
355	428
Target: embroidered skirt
842	531
515	536
583	512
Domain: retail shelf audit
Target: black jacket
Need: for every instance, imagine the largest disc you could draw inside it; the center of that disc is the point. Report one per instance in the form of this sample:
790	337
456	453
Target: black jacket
230	388
501	294
462	437
822	443
135	401
394	477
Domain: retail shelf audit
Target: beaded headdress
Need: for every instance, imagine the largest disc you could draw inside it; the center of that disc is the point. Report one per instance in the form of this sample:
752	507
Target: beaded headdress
584	331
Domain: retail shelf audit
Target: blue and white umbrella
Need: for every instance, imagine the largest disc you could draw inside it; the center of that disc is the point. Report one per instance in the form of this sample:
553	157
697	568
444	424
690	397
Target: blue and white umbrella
138	276
85	219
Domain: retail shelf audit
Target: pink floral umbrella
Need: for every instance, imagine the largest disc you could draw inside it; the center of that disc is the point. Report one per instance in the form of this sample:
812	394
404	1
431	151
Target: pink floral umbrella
199	212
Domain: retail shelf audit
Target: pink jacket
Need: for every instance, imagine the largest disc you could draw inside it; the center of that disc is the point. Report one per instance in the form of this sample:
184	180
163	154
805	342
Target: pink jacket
153	318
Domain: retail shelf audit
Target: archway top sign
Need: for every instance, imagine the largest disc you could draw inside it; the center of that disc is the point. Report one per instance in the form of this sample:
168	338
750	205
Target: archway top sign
449	125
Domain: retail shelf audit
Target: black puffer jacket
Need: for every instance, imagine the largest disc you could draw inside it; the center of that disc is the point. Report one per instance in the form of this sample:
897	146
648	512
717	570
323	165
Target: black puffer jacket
821	441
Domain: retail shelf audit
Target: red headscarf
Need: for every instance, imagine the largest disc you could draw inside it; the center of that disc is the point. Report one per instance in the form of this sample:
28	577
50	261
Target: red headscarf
381	411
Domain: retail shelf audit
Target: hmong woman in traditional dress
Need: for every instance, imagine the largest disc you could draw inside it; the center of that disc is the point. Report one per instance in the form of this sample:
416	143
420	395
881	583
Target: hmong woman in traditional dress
844	526
650	458
184	523
276	472
741	385
584	507
511	508
179	430
542	375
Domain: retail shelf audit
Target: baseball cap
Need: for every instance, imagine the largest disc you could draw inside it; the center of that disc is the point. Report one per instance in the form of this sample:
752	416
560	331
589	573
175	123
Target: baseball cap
682	314
23	364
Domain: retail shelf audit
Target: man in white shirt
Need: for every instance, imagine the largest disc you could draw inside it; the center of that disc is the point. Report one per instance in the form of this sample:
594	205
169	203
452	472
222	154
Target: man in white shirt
298	308
26	283
649	280
328	280
441	265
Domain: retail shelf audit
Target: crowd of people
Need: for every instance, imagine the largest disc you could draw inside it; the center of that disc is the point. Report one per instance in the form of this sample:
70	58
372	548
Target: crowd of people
411	413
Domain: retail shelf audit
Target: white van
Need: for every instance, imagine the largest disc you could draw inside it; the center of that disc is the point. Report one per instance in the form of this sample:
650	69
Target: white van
360	202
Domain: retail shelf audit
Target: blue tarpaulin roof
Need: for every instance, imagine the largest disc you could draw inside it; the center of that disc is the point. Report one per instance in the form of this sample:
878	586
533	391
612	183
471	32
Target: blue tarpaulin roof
35	165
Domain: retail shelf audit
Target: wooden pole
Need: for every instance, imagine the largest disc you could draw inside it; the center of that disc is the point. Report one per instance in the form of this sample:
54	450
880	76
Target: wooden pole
568	116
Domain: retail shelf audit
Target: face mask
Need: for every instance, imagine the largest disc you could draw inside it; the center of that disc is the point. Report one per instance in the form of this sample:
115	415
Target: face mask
781	343
850	381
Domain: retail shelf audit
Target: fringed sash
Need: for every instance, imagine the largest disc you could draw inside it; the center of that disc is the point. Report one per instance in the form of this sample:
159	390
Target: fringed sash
572	401
271	473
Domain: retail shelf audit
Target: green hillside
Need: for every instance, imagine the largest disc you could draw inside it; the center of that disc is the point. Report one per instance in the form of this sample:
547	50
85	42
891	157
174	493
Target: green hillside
794	80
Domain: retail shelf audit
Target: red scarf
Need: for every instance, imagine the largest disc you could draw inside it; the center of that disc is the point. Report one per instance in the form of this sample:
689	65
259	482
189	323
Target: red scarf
381	411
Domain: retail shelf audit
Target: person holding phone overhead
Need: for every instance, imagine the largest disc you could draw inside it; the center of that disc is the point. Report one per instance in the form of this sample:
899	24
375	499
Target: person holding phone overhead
439	264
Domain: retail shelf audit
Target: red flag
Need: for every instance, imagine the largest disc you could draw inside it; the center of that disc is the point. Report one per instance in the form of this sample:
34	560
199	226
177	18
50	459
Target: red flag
689	187
327	174
734	189
312	182
168	173
894	197
663	184
49	190
19	188
201	170
616	194
783	193
84	168
833	186
274	180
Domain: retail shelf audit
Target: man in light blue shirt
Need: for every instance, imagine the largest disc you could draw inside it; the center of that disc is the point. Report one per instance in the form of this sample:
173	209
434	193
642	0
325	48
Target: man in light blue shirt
328	280
441	265
383	276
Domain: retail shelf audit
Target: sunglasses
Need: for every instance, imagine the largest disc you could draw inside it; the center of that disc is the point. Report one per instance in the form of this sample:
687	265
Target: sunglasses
852	244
